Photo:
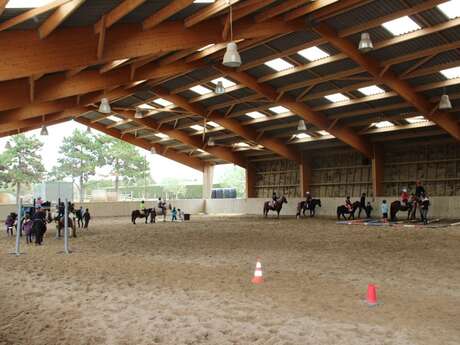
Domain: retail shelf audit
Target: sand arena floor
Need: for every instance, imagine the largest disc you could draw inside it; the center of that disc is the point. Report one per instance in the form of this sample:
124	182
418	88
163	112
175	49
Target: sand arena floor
189	283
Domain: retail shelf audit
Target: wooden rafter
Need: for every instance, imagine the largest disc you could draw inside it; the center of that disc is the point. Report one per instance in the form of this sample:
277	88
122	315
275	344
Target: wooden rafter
117	13
2	5
208	11
283	7
59	15
166	12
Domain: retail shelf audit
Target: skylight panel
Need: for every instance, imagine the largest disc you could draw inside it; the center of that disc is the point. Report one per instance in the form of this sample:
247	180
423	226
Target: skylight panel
213	124
146	106
401	26
313	53
27	3
255	114
279	109
451	9
162	102
451	73
201	90
278	64
162	136
197	127
382	124
114	118
323	133
416	119
371	90
206	47
302	136
225	82
337	97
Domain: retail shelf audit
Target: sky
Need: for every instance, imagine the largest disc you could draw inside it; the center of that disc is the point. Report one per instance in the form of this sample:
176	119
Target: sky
160	167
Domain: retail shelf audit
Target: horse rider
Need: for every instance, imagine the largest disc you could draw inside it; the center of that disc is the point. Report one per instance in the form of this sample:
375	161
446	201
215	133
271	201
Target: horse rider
419	190
308	199
348	204
404	197
142	207
274	200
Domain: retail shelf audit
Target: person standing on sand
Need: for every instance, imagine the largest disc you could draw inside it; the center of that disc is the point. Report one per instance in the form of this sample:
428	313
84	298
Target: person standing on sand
384	209
174	214
86	218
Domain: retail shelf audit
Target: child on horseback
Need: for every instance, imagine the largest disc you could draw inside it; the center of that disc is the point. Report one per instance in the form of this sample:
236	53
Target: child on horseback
142	207
308	199
404	197
274	200
348	204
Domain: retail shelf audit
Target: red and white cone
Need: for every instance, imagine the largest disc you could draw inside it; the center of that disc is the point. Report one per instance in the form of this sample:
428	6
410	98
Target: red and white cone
258	277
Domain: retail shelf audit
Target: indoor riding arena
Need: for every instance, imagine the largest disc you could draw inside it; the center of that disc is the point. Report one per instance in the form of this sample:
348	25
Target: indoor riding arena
344	115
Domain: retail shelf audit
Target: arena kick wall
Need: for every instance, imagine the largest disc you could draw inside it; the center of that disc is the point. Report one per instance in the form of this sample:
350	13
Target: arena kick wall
442	207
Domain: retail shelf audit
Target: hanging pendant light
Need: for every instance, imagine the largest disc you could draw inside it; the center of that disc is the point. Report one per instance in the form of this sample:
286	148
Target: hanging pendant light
44	131
211	142
138	114
301	126
232	58
220	90
444	103
365	44
7	145
88	130
153	150
104	107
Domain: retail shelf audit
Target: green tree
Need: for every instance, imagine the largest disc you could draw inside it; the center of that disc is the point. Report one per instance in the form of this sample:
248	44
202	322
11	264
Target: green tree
80	155
173	186
124	160
21	163
234	177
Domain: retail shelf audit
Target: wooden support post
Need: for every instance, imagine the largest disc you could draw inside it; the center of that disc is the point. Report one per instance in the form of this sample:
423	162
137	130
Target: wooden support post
208	174
305	175
251	181
377	171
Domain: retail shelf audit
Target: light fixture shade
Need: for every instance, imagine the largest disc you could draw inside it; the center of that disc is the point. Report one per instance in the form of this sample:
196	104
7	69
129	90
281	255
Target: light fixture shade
365	44
7	145
44	131
232	58
153	150
211	142
220	90
301	126
88	129
444	103
138	114
104	107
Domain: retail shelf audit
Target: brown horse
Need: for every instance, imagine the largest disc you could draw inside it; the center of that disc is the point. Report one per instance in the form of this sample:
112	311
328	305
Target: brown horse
343	210
277	207
396	206
60	226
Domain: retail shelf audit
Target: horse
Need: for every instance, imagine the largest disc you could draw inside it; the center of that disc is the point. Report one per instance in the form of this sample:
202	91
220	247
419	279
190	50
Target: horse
60	226
302	207
397	206
278	206
163	209
342	210
38	230
148	212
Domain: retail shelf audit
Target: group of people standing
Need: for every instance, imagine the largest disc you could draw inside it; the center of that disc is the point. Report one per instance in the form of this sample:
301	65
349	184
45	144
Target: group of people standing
176	214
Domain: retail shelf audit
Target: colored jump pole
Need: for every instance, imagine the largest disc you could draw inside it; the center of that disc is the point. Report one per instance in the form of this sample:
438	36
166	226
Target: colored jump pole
66	228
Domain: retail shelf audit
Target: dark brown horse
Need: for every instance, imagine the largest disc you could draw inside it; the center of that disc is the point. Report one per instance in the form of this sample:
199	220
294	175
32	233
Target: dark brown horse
396	206
302	207
276	207
60	226
343	210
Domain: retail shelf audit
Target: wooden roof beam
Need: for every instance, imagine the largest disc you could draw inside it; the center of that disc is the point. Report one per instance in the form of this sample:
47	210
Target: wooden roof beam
166	12
404	89
2	5
59	15
208	11
117	13
23	17
232	125
319	120
283	7
184	159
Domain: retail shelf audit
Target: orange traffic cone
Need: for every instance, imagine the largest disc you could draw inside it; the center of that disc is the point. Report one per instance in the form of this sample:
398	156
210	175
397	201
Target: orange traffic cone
372	295
258	278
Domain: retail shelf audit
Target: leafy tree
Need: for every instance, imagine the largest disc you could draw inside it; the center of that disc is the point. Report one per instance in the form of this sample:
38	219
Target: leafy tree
80	155
21	163
125	161
234	177
174	186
